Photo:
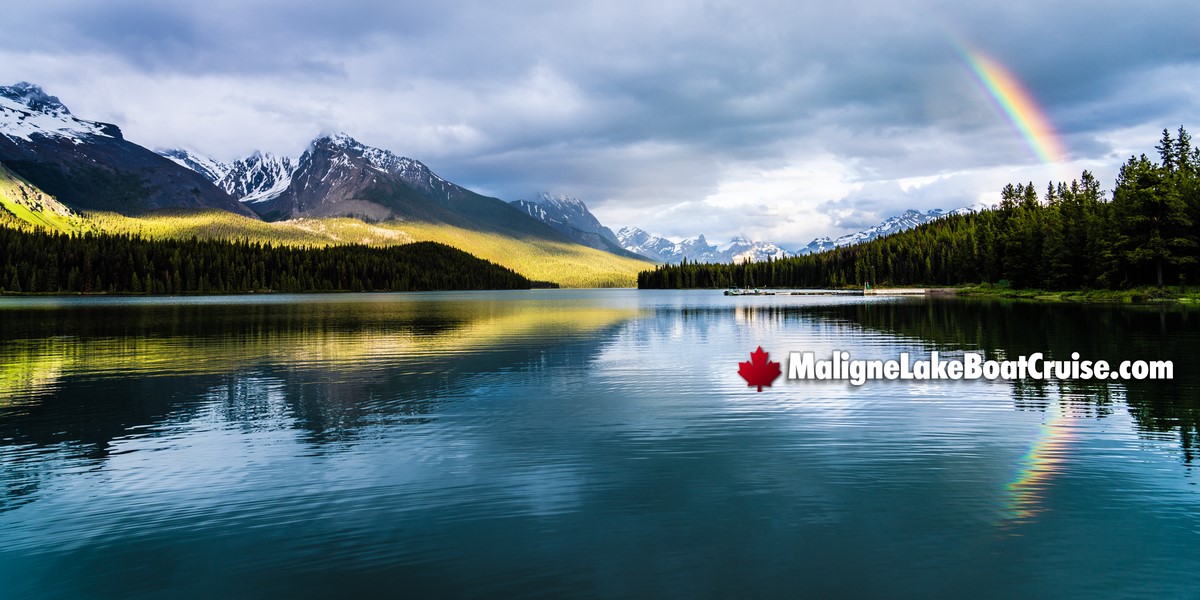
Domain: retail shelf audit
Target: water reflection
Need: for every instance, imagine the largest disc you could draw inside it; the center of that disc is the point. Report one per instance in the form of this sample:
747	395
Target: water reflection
76	381
1038	467
582	444
1110	332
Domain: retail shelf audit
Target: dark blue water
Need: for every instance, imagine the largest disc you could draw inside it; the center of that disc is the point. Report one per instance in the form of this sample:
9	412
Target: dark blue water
584	444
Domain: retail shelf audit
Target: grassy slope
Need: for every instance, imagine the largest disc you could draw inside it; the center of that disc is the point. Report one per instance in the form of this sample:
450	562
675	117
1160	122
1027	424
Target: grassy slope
26	203
569	265
228	226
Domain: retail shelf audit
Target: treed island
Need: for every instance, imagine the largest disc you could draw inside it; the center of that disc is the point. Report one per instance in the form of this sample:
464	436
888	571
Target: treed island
1071	236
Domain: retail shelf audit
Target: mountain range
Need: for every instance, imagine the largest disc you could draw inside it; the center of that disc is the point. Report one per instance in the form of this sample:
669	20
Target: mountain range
572	217
697	249
338	176
90	166
338	191
741	249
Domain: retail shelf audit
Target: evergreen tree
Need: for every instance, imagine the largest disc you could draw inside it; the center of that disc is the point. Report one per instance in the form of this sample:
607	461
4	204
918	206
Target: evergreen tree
1155	229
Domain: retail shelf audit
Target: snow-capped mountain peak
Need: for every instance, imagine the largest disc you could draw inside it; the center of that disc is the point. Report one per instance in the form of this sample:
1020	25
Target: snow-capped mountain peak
258	177
697	249
34	97
26	110
385	161
742	249
211	168
560	201
654	247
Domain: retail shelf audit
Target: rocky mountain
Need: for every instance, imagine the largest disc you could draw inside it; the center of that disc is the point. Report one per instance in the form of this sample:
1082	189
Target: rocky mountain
260	177
697	249
90	165
741	249
662	249
907	220
211	168
654	247
337	176
571	217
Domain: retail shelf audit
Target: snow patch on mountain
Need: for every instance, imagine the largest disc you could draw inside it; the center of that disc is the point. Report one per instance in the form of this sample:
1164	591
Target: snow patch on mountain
384	161
211	168
258	177
26	111
565	212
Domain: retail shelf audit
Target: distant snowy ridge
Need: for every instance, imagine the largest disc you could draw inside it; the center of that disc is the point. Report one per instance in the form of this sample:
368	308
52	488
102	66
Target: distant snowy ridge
740	249
696	249
907	220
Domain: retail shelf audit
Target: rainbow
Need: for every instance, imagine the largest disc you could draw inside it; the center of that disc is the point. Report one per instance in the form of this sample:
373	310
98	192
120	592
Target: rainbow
1017	104
1037	467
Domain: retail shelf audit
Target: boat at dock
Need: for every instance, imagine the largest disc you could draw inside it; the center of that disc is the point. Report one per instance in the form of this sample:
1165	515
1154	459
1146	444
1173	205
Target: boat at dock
855	292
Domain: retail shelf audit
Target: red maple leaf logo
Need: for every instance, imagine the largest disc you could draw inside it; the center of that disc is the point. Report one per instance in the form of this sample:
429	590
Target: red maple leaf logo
759	371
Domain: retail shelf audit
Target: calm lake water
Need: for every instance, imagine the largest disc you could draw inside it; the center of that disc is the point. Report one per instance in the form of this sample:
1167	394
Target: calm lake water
565	443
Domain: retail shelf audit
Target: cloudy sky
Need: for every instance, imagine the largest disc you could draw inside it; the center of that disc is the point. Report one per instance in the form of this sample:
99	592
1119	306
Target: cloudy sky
775	120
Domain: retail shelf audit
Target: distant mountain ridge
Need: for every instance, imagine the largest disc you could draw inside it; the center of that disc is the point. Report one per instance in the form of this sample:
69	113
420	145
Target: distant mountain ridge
696	249
741	249
90	165
904	221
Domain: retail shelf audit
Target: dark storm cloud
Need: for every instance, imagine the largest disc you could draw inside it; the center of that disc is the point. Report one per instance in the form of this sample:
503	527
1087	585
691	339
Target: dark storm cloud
641	103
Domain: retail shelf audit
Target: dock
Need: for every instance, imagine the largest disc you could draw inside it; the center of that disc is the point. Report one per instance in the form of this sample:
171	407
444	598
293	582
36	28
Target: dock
856	292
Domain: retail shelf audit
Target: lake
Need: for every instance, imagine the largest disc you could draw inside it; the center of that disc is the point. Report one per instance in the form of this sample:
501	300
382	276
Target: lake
585	443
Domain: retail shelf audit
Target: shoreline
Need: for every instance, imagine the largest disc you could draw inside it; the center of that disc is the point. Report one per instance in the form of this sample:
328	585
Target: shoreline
1151	295
1141	295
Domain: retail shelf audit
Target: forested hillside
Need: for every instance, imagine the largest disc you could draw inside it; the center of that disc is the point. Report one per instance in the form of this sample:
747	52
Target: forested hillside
1072	236
45	262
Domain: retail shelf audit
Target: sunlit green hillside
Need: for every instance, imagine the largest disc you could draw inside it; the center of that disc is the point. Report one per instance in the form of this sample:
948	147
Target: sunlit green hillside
224	225
23	204
569	265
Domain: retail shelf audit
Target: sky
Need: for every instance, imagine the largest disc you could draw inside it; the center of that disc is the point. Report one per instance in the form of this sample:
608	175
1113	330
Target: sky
778	121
